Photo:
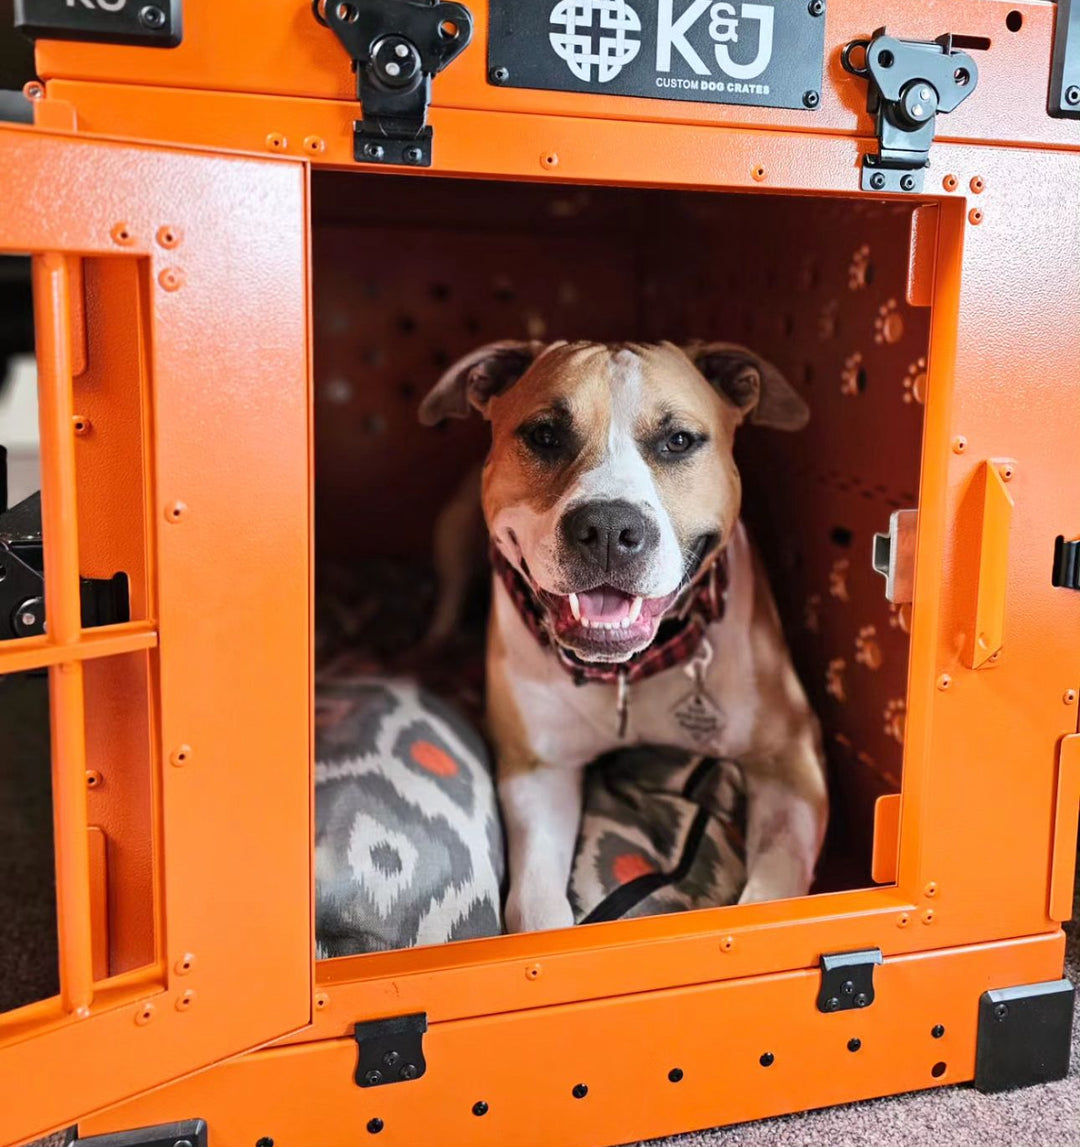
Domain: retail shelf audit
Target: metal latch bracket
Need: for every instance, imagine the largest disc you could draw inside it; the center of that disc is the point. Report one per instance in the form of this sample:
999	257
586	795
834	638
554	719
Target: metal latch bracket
847	980
391	1050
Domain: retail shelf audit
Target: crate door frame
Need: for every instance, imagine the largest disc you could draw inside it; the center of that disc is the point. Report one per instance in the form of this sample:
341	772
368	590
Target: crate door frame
221	614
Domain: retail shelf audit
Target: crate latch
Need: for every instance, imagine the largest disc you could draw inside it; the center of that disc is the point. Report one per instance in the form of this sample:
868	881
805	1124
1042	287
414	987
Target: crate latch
391	1050
187	1133
396	47
847	980
910	83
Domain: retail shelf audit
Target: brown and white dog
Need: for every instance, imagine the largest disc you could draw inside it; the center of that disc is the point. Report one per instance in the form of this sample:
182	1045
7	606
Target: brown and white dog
612	499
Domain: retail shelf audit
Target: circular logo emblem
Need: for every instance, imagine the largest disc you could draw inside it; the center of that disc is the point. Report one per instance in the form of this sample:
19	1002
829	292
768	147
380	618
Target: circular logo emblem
595	37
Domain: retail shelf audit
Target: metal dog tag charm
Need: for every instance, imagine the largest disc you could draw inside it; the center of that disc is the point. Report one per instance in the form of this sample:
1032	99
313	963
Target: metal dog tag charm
699	716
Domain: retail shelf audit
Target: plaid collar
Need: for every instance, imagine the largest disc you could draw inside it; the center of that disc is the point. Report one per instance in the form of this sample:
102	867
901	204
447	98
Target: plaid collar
676	641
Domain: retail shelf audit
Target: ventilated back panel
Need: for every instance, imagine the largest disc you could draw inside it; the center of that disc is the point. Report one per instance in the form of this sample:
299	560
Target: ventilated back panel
411	273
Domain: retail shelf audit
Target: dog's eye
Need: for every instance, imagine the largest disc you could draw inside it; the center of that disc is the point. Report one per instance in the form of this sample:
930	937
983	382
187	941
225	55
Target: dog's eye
543	437
679	442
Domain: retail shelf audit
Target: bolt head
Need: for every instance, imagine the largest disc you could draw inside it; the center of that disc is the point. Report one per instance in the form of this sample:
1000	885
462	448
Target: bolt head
1001	1011
675	1074
907	182
580	1091
480	1108
848	987
816	7
373	1077
861	1000
811	99
413	155
832	1003
1072	95
375	1126
408	1071
391	1059
937	1031
767	1060
374	150
877	181
152	17
499	75
854	1044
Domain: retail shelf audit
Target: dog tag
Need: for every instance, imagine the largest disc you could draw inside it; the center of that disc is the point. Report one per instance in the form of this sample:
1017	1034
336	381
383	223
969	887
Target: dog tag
699	716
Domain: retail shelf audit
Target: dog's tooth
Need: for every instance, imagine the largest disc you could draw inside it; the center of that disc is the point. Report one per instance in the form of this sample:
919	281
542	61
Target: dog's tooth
586	623
625	623
575	606
635	610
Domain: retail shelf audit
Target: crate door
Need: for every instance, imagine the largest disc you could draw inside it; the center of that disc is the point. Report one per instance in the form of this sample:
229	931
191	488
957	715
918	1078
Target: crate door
170	298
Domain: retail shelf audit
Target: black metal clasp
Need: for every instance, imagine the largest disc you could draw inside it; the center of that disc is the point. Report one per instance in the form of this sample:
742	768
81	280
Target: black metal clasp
847	980
396	47
910	83
1066	571
391	1050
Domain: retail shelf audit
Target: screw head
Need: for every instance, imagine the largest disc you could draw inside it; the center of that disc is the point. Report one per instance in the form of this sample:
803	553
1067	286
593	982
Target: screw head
391	1059
580	1091
371	1078
374	150
907	182
408	1071
937	1031
832	1003
811	99
854	1044
265	1141
499	75
1000	1011
816	7
152	17
848	987
375	1126
675	1074
767	1060
413	155
479	1108
1072	95
861	1000
877	181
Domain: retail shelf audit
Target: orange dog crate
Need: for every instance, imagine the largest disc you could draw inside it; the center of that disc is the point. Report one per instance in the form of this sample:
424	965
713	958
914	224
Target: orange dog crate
235	319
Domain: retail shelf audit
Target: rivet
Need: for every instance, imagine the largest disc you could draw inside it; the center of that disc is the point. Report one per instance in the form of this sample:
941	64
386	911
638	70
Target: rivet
1069	697
930	889
767	1060
185	1001
322	1000
532	972
144	1014
877	181
33	90
959	444
413	154
1007	471
171	279
950	183
175	511
93	778
757	173
391	1059
854	1044
499	75
265	1141
407	1071
675	1075
81	424
314	144
944	681
975	216
169	237
122	235
180	756
549	159
479	1108
928	916
184	965
276	141
727	943
375	1126
832	1004
580	1091
152	17
903	920
937	1031
811	98
861	1000
1001	1011
907	182
978	184
373	1078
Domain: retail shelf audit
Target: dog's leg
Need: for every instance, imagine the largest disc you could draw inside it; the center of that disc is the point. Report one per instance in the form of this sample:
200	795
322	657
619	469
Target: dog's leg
541	807
787	810
458	546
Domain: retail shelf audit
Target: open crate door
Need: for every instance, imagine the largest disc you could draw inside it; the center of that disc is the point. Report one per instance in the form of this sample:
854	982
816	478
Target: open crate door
170	294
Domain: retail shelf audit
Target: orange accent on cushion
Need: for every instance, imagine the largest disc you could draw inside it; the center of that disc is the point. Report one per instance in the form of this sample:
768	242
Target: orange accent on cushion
434	759
628	866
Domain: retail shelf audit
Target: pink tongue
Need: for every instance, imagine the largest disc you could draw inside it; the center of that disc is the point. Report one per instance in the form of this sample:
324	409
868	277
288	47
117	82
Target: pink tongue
604	604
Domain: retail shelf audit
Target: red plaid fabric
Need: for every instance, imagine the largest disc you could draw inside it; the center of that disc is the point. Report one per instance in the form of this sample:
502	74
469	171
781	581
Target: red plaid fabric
676	642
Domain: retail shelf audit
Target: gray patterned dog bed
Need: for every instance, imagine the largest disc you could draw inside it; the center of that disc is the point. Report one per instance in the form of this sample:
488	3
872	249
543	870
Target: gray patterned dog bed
409	847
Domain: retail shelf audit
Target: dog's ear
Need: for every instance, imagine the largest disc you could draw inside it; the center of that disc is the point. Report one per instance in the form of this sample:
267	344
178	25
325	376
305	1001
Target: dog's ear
475	379
755	387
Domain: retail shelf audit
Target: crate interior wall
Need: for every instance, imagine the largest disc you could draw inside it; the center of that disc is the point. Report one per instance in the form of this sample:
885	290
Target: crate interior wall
409	274
251	380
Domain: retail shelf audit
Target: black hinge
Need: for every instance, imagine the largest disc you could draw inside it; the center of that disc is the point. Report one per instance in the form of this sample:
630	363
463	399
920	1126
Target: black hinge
152	24
1065	65
188	1133
396	47
391	1050
1066	571
105	601
1024	1035
910	83
847	980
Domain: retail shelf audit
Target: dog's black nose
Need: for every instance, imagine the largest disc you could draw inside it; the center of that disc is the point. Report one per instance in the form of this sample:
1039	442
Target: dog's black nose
608	535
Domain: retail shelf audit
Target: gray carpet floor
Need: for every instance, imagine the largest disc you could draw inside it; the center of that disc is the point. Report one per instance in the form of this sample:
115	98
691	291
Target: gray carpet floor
1046	1116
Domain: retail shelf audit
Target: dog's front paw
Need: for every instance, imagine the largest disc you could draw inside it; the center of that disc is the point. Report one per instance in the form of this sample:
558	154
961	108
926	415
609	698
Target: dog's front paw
530	913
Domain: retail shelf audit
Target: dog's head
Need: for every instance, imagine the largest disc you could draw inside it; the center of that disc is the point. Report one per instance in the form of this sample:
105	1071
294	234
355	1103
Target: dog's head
611	475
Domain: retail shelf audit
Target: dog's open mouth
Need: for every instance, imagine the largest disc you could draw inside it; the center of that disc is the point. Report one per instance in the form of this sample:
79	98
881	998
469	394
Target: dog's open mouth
605	623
